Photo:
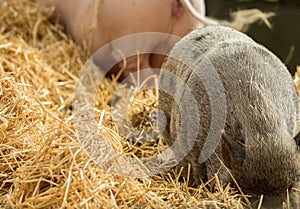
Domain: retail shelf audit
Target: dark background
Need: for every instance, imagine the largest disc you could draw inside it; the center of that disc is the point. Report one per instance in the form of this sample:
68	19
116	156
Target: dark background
285	34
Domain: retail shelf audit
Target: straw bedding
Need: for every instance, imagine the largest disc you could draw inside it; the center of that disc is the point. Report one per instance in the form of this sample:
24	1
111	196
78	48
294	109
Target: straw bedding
42	164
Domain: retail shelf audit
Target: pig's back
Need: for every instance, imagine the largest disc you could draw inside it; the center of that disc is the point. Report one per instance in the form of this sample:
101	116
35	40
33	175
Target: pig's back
260	96
246	67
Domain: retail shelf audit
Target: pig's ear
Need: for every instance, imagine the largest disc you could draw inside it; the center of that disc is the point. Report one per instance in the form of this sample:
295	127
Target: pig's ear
177	8
233	153
297	139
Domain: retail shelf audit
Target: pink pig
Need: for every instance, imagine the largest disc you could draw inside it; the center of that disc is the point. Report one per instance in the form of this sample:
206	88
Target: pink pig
98	22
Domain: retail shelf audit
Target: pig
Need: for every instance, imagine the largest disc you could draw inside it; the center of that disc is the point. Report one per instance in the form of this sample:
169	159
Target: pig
258	143
95	23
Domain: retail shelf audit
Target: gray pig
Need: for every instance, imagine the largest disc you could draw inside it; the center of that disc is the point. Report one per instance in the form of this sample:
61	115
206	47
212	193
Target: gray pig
257	142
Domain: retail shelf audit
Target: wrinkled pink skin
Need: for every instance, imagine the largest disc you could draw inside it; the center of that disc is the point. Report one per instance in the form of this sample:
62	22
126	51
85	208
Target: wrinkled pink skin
117	18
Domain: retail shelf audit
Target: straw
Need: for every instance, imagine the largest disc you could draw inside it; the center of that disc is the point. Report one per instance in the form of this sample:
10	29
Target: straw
42	164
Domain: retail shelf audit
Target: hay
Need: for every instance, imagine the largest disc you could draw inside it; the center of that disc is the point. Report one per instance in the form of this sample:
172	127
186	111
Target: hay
42	164
241	20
